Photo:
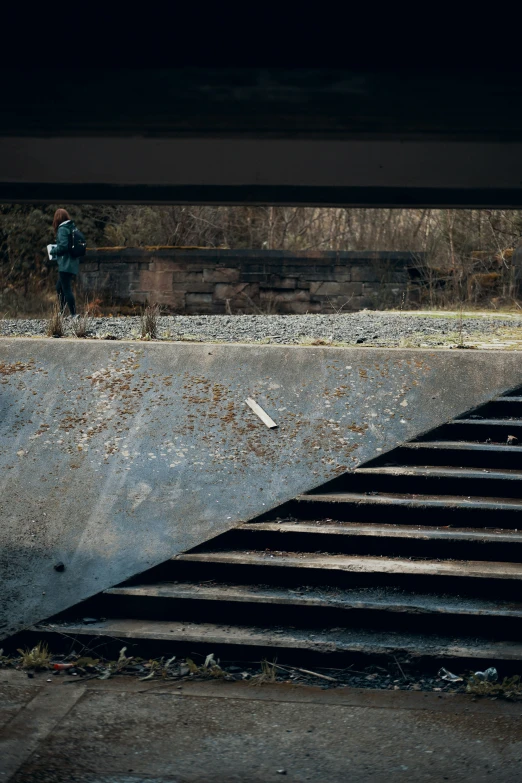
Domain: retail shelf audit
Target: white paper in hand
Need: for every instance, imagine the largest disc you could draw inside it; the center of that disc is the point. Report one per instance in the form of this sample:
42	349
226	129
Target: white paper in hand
51	249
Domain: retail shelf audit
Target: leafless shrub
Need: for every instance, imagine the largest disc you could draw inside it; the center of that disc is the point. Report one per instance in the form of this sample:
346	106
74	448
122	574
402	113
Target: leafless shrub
267	306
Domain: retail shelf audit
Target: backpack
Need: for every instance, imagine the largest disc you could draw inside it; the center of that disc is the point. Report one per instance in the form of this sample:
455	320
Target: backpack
77	243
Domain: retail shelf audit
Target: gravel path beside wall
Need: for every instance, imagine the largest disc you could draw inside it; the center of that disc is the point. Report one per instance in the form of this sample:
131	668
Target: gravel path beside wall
363	328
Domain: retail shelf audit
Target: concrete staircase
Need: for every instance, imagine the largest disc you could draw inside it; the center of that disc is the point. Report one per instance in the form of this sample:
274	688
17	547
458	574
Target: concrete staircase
417	552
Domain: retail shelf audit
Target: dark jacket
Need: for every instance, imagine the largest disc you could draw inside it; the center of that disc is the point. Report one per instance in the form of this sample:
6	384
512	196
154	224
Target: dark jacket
66	263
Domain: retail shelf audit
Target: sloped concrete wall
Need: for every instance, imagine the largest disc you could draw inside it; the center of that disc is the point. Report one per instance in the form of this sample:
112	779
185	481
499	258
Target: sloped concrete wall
115	456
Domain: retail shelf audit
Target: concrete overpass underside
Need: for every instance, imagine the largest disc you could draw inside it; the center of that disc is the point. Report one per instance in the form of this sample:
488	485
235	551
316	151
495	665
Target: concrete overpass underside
263	136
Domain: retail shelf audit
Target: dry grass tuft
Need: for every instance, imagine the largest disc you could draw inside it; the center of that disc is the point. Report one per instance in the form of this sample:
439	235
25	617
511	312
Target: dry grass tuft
268	673
56	323
303	340
149	321
82	325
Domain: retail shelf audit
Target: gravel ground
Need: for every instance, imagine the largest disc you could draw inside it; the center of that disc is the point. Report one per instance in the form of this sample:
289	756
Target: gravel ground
364	328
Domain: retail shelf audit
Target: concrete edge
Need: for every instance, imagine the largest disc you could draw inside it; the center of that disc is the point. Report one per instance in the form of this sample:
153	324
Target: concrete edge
273	692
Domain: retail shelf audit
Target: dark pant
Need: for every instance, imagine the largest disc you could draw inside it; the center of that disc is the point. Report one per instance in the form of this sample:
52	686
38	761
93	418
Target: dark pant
65	292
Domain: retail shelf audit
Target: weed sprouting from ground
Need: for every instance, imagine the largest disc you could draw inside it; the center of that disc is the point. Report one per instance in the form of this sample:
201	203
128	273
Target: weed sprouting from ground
304	340
190	338
268	673
461	327
4	659
55	324
37	658
210	668
149	321
510	688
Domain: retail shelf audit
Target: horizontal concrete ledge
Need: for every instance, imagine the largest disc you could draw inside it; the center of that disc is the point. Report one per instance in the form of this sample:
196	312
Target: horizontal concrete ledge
261	171
254	256
252	345
278	692
484	197
265	162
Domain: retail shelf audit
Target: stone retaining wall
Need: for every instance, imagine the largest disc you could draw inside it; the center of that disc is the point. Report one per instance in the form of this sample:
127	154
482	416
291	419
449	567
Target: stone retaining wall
203	281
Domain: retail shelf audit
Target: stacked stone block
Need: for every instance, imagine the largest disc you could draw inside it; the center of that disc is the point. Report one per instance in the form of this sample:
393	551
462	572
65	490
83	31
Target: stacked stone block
197	281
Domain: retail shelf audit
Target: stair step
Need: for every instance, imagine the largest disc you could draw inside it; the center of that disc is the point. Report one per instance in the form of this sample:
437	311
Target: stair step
452	453
442	472
458	445
494	430
381	600
501	408
321	641
388	531
362	564
421	501
488	422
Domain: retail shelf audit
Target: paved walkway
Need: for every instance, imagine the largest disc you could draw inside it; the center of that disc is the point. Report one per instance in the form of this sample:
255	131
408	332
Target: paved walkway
126	731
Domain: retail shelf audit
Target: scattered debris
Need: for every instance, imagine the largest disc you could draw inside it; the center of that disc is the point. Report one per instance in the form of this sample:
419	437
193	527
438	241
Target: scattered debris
307	671
258	410
148	676
510	688
210	668
402	674
400	668
489	675
444	674
59	567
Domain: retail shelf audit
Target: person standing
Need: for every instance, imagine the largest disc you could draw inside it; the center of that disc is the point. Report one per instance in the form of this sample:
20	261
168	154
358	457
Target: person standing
68	265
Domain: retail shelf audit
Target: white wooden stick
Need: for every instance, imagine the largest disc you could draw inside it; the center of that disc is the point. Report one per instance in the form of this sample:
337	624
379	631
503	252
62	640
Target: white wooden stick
258	410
